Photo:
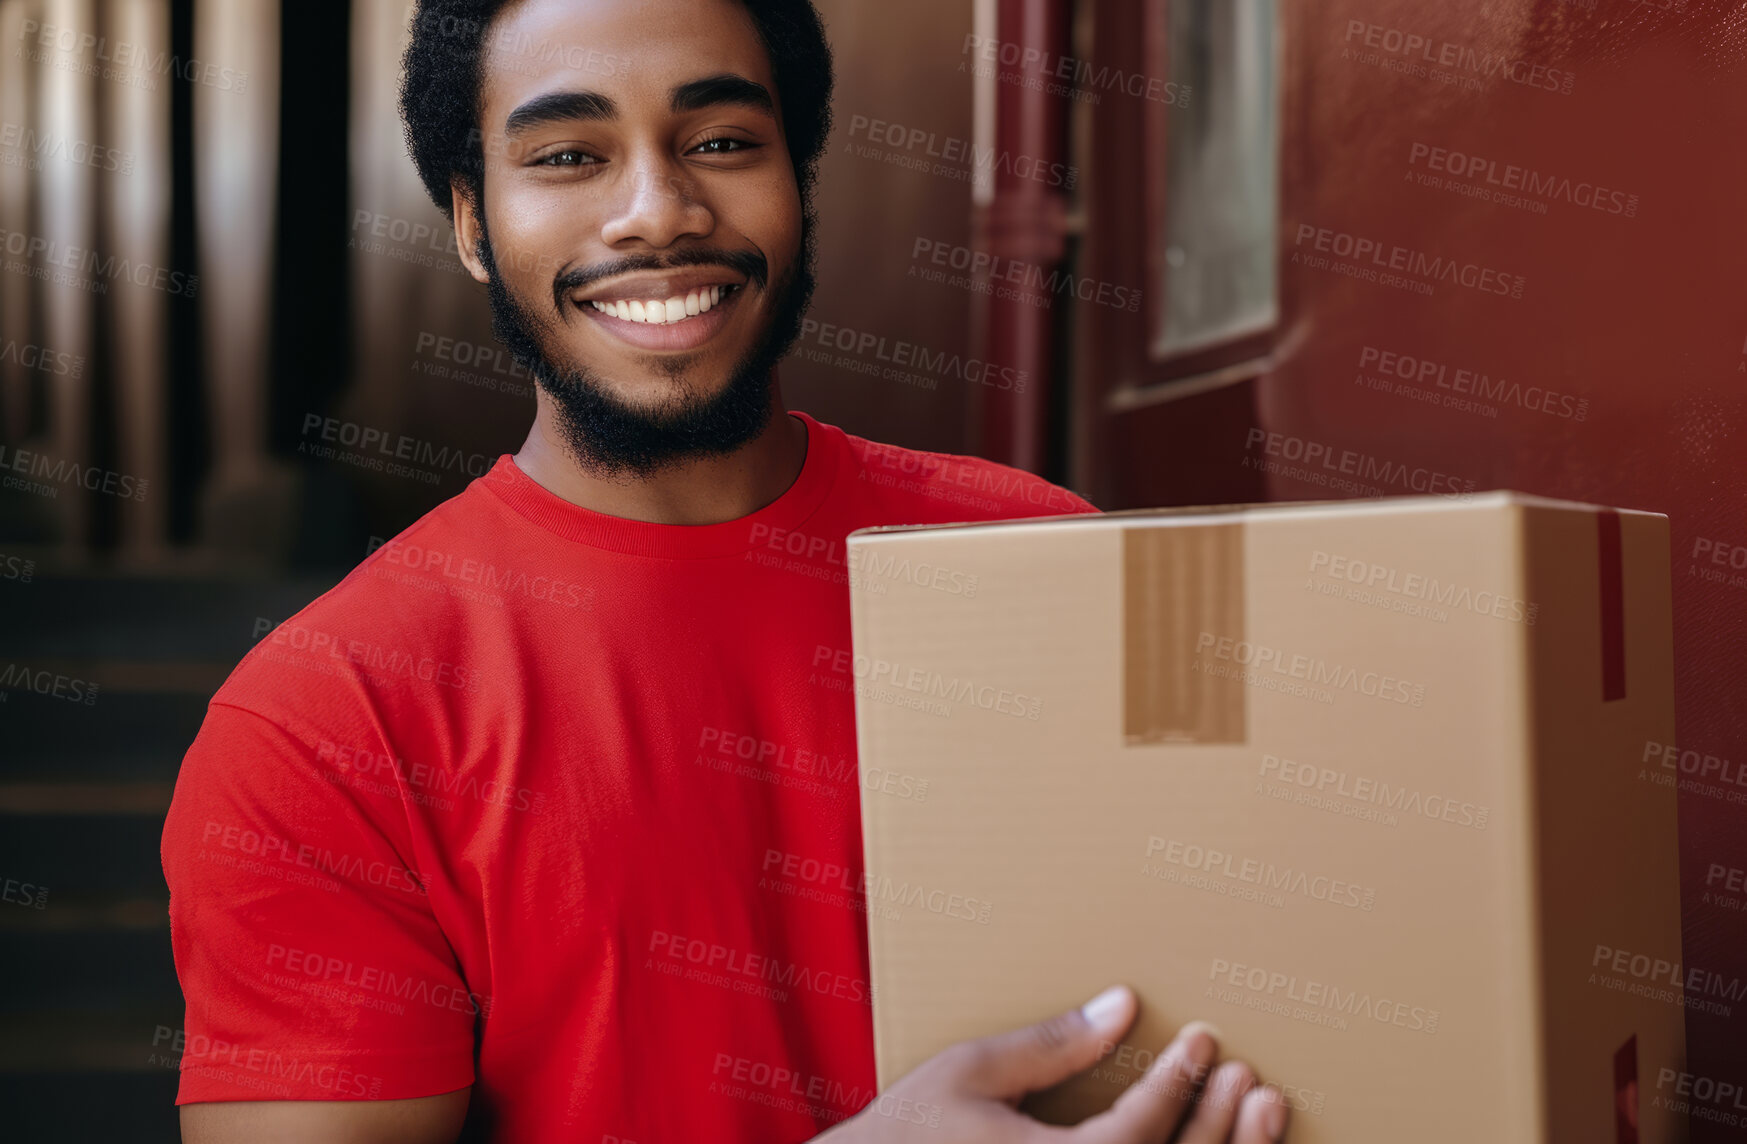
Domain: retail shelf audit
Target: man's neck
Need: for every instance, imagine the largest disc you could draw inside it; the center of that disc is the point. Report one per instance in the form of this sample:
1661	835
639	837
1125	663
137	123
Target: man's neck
708	490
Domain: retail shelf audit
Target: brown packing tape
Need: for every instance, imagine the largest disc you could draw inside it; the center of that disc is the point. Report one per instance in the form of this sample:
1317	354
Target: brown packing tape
1180	584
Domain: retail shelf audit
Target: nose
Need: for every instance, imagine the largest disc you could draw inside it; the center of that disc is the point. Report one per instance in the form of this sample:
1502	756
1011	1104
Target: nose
658	205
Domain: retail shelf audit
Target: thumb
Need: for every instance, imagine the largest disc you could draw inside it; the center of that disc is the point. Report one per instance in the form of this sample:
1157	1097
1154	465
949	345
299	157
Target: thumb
1009	1065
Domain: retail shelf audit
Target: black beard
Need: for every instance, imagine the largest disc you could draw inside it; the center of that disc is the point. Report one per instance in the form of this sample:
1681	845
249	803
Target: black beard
608	438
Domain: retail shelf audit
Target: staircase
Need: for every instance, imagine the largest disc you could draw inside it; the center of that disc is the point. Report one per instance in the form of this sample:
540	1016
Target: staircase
90	1002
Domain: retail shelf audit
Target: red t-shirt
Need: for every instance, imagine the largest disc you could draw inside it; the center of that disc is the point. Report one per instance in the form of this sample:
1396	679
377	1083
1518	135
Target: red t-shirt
561	806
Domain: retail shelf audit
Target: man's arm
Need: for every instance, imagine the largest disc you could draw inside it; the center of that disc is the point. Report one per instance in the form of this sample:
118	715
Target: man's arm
966	1095
425	1120
263	944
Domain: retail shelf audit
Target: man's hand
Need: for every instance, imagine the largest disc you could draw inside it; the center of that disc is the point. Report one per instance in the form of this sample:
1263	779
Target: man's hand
969	1094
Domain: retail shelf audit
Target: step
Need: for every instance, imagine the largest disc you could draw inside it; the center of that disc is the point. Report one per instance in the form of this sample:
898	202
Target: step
137	1039
77	614
87	970
138	1108
84	856
121	736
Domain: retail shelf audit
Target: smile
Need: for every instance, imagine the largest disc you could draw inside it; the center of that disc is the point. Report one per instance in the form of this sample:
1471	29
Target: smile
671	312
680	324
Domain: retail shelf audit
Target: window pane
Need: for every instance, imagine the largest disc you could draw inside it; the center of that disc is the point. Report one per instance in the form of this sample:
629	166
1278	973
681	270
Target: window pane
1221	191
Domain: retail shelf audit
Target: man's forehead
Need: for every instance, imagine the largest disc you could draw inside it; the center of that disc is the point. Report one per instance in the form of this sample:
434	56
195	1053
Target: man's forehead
618	45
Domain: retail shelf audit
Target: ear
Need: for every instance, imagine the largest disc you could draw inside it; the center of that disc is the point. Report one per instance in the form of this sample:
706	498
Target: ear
467	231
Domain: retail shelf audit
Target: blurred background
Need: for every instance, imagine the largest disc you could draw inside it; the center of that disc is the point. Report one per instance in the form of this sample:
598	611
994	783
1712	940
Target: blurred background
1130	244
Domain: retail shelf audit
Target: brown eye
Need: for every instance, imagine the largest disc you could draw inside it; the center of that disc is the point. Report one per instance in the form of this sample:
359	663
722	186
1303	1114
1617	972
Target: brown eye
723	146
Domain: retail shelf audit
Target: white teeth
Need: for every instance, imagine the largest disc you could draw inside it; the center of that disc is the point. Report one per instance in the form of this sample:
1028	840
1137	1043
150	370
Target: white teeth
674	309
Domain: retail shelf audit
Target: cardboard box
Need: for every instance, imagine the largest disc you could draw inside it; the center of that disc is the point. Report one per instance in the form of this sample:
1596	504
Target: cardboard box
1371	786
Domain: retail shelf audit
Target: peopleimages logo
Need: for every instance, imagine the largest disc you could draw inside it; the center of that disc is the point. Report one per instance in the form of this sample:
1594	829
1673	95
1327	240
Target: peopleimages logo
1392	257
1331	783
960	158
876	565
1318	1002
768	753
1508	177
62	264
38	358
1419	586
896	352
468	569
1695	763
1656	978
927	683
1082	80
44	682
876	888
1726	1100
25	141
1317	460
64	472
1310	669
387	773
320	969
737	969
1001	272
1472	383
125	58
516	49
1422	56
1255	872
270	847
201	1055
333	653
376	446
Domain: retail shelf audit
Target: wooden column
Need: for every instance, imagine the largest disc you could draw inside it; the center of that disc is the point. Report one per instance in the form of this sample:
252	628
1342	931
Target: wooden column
66	213
1023	220
138	205
236	156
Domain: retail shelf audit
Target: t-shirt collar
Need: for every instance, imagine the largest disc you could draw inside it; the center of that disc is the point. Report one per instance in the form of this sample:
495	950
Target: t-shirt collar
826	449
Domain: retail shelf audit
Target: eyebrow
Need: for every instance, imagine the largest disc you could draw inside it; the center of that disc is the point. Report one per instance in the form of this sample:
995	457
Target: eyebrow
726	90
560	107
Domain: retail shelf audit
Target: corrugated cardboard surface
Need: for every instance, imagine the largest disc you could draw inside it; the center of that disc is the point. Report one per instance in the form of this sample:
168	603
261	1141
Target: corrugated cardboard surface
1191	753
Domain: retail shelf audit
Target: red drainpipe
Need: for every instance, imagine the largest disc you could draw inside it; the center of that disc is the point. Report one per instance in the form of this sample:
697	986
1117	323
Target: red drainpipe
1026	222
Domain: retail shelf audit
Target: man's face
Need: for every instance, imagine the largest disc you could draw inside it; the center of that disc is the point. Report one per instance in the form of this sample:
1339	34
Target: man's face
646	247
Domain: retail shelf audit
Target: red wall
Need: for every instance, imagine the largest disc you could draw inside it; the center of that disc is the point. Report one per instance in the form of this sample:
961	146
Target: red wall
1638	309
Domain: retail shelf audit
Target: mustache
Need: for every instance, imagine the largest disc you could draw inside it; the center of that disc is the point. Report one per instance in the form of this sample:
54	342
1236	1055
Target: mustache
749	263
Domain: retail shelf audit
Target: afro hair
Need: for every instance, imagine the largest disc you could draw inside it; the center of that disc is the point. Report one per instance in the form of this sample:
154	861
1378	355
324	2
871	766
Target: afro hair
440	86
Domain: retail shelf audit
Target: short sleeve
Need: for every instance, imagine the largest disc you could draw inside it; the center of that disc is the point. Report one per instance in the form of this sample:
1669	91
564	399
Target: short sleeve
310	960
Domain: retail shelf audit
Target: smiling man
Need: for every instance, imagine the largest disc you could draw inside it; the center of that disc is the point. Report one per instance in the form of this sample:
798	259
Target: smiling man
499	835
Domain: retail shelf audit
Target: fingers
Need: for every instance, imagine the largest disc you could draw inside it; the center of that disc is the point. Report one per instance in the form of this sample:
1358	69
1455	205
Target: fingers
1217	1111
1009	1065
1262	1117
1234	1110
1153	1106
